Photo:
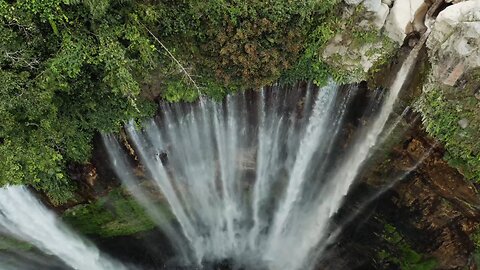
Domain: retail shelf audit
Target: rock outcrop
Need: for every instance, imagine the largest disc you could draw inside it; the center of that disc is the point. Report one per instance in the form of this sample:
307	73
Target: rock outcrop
438	203
449	103
397	19
434	208
371	32
376	11
405	17
361	44
454	43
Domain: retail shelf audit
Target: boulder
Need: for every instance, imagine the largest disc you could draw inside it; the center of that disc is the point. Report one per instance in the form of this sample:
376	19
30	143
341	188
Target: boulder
454	43
402	16
376	11
463	123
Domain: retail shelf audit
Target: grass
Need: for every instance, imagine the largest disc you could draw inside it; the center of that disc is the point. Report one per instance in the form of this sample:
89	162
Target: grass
116	214
442	108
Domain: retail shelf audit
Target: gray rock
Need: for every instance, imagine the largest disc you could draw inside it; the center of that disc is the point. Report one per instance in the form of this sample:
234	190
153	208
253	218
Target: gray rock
389	3
353	2
463	123
455	38
400	16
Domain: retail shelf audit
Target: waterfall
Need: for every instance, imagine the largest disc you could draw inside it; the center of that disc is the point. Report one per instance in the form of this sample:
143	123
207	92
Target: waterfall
221	164
330	199
24	217
257	178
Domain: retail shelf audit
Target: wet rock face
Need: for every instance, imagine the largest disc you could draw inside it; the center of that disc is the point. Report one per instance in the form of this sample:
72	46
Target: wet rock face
437	207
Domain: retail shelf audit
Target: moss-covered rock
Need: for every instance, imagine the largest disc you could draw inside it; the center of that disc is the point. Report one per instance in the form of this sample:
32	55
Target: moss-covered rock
450	103
9	243
115	214
452	115
358	47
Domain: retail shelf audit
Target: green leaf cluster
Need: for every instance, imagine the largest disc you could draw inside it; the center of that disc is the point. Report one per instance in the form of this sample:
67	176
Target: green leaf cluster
68	69
249	43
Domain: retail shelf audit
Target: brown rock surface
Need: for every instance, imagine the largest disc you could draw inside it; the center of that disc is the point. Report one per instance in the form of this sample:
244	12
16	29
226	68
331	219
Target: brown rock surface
438	203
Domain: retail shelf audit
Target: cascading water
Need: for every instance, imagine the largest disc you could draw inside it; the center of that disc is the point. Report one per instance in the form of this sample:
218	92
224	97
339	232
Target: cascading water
253	179
24	217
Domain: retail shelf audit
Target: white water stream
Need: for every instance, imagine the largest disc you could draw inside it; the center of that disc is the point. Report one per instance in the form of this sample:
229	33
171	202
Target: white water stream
252	179
24	217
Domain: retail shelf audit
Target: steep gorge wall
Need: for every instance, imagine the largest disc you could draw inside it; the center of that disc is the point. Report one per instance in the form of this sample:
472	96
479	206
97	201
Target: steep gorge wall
450	103
436	208
436	202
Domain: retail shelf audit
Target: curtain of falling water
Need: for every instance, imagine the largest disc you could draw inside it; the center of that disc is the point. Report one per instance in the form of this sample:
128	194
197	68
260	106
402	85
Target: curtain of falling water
315	220
239	176
231	172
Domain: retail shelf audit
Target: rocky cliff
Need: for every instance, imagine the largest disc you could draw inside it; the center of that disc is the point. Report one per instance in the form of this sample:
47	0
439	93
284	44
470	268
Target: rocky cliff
434	211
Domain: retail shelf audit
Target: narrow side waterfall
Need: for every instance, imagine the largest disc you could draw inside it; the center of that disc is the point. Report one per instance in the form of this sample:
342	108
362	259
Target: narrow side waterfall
24	217
257	178
315	219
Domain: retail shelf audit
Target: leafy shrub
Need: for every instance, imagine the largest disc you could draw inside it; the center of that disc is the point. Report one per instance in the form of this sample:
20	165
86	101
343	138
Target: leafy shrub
442	108
249	43
401	252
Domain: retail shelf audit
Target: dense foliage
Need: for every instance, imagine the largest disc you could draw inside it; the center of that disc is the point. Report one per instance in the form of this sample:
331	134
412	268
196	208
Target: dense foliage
444	108
398	252
70	68
250	43
112	215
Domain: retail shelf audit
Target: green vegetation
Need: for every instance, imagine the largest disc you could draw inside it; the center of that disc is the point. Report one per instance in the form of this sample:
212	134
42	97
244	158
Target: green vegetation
231	45
9	243
249	43
401	253
444	108
113	215
475	237
68	68
71	68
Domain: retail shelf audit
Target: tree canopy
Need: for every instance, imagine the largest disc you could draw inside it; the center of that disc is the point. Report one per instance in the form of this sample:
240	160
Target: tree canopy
70	68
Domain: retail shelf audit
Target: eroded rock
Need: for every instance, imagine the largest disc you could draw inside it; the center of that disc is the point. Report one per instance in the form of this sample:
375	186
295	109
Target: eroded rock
454	43
440	204
402	16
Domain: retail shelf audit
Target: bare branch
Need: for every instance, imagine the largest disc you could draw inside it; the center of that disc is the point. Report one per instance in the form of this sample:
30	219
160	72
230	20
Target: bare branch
175	59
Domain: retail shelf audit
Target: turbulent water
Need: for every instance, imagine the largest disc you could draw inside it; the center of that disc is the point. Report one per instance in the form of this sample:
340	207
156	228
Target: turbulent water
255	179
